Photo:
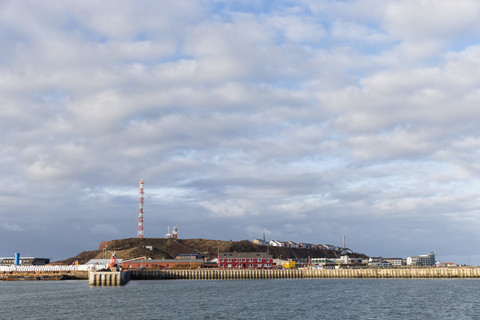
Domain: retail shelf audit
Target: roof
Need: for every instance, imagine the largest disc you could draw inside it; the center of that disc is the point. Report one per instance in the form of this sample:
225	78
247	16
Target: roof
249	255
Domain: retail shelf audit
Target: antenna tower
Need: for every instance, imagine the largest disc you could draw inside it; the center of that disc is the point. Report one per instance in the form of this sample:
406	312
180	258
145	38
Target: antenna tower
140	211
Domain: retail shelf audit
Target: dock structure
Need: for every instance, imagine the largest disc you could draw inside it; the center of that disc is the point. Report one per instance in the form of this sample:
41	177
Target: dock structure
108	278
238	274
118	278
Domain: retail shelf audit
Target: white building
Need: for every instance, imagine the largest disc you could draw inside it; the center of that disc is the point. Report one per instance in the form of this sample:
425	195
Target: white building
275	243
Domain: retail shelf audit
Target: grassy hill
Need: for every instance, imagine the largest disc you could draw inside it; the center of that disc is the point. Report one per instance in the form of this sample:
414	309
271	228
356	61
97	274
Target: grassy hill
168	248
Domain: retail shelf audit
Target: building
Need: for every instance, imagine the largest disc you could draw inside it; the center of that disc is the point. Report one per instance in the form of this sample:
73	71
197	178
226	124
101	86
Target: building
305	245
26	261
323	261
276	243
422	260
380	264
158	264
260	242
398	262
244	260
196	255
345	259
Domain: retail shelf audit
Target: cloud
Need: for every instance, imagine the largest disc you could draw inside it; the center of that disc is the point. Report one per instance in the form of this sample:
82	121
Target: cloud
309	120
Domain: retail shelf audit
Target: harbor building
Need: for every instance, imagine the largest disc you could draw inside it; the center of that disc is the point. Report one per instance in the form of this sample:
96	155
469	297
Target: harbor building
245	260
25	261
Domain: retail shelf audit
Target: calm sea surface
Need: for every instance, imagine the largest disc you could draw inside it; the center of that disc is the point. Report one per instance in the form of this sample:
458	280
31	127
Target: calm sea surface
243	299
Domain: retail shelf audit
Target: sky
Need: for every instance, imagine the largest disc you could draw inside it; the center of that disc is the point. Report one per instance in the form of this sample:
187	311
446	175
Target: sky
305	120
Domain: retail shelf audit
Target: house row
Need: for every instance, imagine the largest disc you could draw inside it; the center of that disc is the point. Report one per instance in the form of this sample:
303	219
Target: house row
303	245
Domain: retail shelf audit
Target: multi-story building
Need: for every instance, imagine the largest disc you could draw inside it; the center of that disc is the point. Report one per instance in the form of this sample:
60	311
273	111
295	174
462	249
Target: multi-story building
395	261
245	260
422	260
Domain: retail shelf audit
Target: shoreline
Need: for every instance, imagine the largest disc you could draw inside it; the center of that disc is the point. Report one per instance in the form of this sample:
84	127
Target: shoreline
42	276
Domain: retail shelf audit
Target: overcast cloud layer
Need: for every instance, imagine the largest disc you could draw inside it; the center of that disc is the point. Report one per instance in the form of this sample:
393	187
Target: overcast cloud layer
306	120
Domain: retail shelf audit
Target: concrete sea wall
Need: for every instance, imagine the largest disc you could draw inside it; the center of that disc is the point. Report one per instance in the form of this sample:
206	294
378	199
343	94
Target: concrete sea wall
108	278
220	274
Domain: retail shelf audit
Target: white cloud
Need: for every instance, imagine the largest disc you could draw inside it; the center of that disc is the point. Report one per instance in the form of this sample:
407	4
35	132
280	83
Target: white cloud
323	116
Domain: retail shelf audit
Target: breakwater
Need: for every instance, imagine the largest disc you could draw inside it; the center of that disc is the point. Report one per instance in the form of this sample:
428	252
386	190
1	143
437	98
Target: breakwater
108	278
119	278
220	274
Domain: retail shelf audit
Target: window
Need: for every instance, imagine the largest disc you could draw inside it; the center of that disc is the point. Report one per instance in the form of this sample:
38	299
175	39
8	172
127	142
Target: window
250	260
259	265
229	260
236	260
229	265
250	265
259	260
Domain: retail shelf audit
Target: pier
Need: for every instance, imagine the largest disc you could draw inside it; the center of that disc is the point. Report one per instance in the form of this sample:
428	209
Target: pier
108	278
118	278
240	274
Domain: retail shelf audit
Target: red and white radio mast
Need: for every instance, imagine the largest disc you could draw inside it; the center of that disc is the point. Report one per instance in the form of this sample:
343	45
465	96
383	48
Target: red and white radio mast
140	211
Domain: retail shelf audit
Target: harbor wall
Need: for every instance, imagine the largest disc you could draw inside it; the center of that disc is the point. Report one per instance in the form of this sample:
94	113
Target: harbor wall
108	278
122	277
225	274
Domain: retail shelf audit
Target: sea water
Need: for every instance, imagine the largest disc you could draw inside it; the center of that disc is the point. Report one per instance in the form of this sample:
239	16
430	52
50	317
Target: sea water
244	299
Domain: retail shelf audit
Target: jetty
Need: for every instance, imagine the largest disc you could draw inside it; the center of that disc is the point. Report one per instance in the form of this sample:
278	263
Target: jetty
225	274
108	278
115	278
